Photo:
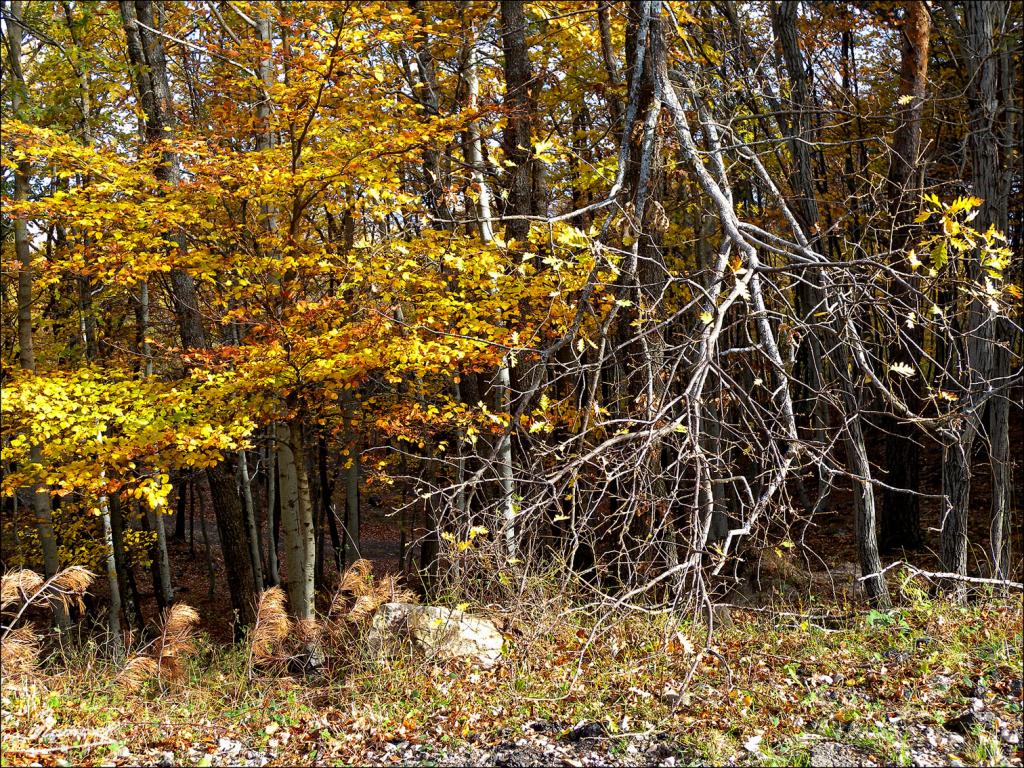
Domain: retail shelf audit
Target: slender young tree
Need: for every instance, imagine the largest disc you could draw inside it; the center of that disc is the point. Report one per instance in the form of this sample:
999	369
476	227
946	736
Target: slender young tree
40	503
146	53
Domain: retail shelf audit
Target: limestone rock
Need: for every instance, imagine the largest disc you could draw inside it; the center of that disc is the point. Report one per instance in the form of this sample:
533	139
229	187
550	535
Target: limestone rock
440	632
831	754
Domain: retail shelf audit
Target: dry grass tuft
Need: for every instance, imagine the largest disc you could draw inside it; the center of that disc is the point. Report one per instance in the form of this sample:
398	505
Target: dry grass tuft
396	592
17	585
19	653
272	627
364	608
179	625
356	577
177	640
23	585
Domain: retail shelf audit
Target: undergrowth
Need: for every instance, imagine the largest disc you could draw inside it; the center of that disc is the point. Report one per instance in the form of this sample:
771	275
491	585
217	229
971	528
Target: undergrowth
788	681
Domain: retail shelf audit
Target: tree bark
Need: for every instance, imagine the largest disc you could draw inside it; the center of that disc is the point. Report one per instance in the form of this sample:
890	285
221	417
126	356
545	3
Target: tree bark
273	505
608	58
864	515
980	17
297	528
353	523
517	141
252	532
801	134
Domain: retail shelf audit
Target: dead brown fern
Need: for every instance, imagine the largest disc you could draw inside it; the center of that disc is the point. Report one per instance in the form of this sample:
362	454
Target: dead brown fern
273	625
25	587
360	594
307	632
355	580
19	585
70	584
165	658
137	670
19	654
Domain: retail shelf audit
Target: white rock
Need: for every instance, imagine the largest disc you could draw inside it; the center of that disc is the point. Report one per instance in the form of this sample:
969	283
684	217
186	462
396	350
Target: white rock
442	632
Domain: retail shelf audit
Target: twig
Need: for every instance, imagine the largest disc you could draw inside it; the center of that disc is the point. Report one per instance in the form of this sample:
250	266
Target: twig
943	575
199	48
68	748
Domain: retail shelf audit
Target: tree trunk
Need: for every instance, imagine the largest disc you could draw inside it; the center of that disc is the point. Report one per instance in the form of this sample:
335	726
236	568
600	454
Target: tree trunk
146	53
956	492
296	520
273	506
517	141
900	519
114	617
162	562
522	202
353	523
211	578
427	93
864	515
980	18
179	517
41	504
252	532
801	134
608	57
1002	481
234	543
130	607
161	566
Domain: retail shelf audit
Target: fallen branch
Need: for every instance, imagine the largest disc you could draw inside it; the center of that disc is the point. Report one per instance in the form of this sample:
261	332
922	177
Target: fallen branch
50	750
942	575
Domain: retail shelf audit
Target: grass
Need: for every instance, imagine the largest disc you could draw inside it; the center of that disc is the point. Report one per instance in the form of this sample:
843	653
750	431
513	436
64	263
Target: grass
860	684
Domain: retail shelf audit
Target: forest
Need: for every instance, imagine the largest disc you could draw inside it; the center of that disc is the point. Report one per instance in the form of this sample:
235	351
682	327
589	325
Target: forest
519	382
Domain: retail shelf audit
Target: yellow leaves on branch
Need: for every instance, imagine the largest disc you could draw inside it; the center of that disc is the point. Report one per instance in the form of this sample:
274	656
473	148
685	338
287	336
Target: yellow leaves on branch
322	313
101	432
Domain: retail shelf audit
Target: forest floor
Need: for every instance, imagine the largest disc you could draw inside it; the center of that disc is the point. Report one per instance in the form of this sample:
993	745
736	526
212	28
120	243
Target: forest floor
927	683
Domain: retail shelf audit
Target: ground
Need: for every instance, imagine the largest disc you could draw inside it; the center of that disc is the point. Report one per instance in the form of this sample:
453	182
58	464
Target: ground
925	684
794	678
